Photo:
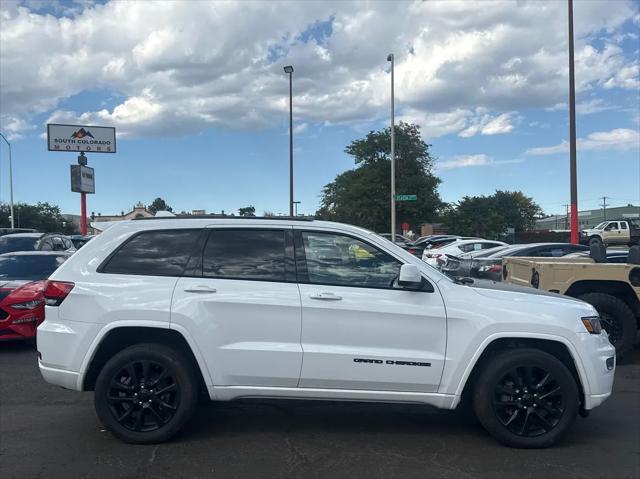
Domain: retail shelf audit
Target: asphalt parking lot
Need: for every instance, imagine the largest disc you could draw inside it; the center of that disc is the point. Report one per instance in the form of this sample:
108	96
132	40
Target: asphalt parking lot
48	432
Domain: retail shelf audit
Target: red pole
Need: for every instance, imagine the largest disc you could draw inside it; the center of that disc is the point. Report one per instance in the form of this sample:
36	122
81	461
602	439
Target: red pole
83	213
572	134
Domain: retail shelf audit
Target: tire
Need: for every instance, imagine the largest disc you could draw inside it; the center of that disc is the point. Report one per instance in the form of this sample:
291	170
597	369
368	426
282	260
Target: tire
595	240
522	419
614	310
161	380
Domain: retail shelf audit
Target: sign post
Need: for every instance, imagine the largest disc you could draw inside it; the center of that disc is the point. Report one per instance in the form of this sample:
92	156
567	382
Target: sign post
96	139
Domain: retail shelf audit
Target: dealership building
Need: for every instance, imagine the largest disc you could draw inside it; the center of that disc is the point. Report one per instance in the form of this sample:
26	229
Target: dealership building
589	218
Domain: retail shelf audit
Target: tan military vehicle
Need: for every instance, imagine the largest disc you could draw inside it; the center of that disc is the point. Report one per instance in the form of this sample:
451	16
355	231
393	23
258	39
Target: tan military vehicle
613	289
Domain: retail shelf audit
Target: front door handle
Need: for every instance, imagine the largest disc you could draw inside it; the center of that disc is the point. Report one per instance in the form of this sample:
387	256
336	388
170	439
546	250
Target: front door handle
326	296
200	289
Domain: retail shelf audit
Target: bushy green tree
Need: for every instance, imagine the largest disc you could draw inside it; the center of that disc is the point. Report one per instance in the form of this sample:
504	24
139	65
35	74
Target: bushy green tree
361	196
490	216
247	211
158	205
43	217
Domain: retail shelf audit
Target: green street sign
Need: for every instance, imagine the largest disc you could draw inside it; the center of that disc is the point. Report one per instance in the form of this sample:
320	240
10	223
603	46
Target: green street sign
406	197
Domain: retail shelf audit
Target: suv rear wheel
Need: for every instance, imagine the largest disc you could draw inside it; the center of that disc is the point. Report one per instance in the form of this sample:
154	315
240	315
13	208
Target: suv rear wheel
526	398
146	393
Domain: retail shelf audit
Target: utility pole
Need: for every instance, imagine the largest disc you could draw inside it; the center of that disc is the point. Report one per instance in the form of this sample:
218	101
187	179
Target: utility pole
289	69
13	221
393	155
604	207
566	218
572	133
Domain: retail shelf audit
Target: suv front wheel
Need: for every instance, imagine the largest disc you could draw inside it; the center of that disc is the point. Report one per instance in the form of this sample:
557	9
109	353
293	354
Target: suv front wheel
146	393
526	398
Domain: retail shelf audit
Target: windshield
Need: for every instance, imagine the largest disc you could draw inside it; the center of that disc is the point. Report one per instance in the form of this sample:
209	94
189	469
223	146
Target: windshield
601	225
28	266
9	244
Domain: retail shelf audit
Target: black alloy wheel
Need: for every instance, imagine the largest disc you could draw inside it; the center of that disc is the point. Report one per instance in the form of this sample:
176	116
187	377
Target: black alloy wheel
146	393
143	396
528	401
525	397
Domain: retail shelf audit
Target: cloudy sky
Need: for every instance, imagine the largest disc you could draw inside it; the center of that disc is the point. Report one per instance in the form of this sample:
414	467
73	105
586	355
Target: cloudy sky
199	99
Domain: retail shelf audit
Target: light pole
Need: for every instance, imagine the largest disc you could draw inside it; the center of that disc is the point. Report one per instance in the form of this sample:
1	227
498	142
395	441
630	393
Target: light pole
393	157
289	69
10	180
572	134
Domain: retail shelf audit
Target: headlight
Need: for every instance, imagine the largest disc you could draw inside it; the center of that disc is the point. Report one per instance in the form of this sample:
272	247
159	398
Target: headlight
33	304
592	324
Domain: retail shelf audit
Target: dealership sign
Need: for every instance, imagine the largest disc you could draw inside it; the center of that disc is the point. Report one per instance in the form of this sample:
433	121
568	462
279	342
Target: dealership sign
82	179
94	139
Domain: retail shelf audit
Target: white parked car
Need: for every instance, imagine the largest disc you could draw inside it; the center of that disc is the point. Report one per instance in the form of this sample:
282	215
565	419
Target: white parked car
458	247
152	313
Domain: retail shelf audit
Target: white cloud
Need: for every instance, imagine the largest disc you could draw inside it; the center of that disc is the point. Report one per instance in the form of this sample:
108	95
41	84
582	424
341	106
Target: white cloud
15	128
617	139
464	161
487	125
181	67
300	127
595	105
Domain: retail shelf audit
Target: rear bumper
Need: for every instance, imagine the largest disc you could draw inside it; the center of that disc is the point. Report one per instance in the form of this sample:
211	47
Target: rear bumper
60	377
62	347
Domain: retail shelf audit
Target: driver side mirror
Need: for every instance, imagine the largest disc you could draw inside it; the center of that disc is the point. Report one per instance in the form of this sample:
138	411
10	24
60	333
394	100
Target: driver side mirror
410	277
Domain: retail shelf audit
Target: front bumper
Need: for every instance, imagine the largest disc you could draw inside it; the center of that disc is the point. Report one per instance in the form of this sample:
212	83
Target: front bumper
21	330
595	351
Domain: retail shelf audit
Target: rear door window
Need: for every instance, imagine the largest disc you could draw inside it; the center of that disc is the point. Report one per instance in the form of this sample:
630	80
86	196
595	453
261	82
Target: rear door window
154	253
249	254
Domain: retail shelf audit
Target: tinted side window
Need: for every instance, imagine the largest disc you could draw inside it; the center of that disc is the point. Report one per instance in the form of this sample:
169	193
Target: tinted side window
154	253
344	261
245	254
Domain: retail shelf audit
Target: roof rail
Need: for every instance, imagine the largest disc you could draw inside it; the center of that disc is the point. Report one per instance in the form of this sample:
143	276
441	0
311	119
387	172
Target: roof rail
223	217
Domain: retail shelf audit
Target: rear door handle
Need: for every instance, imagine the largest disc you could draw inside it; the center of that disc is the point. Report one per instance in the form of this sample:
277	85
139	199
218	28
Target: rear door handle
200	289
326	296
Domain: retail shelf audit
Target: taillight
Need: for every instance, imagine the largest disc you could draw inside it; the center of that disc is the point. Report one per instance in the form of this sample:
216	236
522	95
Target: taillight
56	291
496	268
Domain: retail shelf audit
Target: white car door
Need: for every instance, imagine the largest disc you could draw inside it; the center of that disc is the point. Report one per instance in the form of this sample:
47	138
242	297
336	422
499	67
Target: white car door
241	303
359	331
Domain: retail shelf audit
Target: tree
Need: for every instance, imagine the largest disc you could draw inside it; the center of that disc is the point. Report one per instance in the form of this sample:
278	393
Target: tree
361	196
247	211
43	217
159	205
490	216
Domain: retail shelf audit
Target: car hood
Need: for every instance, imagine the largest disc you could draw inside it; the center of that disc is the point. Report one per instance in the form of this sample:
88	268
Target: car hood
500	290
7	286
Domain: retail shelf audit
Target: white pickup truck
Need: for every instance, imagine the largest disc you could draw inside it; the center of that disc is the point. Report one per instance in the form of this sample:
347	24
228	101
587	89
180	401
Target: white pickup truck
613	232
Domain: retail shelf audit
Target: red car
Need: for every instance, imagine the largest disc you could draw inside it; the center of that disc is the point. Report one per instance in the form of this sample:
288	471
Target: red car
23	277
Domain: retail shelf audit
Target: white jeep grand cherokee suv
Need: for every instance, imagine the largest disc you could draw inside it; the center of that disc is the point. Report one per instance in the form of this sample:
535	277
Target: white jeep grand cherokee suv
153	312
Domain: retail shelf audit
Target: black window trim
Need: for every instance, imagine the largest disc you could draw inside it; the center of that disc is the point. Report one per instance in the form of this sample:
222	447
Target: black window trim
290	264
105	262
303	274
